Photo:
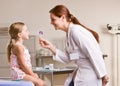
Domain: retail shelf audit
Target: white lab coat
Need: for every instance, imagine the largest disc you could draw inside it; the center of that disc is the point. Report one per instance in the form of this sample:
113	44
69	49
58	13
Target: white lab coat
82	47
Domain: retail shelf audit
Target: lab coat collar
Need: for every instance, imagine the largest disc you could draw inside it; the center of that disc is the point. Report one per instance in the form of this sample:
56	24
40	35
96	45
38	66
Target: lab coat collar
69	29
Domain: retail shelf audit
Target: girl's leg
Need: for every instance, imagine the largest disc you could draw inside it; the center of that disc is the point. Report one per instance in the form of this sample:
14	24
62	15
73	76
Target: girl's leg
36	81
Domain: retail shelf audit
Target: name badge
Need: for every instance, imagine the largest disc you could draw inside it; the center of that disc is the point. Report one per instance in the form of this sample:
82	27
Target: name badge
74	56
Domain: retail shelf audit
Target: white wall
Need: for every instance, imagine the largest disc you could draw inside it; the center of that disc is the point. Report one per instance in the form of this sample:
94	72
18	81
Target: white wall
95	14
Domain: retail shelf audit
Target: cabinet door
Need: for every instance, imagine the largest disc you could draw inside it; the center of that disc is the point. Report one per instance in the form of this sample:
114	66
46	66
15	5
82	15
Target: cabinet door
33	59
3	61
5	72
3	55
3	44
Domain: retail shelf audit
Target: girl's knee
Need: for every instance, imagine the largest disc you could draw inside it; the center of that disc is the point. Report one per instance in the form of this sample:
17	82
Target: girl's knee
43	83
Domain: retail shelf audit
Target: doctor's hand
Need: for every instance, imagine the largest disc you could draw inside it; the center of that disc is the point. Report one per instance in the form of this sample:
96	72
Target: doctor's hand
46	44
105	80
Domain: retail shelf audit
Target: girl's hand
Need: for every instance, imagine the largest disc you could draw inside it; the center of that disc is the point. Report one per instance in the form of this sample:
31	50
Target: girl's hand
105	80
35	75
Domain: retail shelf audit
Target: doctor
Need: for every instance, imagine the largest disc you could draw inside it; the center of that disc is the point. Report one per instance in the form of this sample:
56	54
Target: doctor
81	47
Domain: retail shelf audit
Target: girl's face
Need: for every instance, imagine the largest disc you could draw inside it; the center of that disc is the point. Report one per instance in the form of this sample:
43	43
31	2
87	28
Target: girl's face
57	22
25	33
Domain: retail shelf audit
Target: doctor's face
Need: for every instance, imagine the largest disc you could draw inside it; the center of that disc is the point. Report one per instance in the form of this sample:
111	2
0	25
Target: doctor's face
56	21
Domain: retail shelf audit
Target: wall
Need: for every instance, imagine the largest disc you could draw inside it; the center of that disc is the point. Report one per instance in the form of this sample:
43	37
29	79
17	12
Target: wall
95	14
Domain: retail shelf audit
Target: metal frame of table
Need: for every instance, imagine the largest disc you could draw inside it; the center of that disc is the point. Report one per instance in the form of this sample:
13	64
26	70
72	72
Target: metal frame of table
43	71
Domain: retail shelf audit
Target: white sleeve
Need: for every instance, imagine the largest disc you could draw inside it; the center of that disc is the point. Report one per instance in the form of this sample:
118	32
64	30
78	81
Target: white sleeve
61	56
95	56
91	49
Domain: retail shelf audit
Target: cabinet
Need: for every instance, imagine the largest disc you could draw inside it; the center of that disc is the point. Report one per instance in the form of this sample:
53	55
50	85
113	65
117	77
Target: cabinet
4	65
51	71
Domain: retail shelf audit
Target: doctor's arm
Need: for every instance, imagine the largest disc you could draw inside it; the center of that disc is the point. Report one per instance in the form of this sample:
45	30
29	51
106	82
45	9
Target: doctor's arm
96	57
58	55
88	44
91	49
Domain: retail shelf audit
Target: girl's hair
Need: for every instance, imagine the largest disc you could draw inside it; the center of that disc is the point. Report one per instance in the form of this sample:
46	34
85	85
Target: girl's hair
60	10
13	31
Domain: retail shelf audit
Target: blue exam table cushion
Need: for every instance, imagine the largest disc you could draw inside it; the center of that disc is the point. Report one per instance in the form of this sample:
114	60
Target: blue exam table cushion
15	83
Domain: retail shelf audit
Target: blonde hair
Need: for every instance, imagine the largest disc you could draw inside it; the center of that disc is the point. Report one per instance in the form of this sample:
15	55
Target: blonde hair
13	31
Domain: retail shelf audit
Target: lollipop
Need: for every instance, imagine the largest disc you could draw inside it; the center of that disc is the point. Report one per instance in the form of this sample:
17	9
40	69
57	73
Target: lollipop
41	33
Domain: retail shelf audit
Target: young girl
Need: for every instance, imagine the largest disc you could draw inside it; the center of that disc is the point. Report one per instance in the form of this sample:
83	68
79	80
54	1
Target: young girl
18	55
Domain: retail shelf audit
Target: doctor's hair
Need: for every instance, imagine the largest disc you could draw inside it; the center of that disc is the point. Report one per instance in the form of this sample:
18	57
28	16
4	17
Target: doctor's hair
60	10
13	31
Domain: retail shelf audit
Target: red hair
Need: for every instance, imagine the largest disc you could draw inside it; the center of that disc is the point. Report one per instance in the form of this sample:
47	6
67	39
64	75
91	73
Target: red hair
60	10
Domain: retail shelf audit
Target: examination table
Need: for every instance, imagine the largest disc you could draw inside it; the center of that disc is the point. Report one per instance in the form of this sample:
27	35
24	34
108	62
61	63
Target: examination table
15	83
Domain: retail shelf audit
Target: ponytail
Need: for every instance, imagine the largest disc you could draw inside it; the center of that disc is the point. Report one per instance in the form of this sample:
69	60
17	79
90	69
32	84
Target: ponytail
9	47
75	21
